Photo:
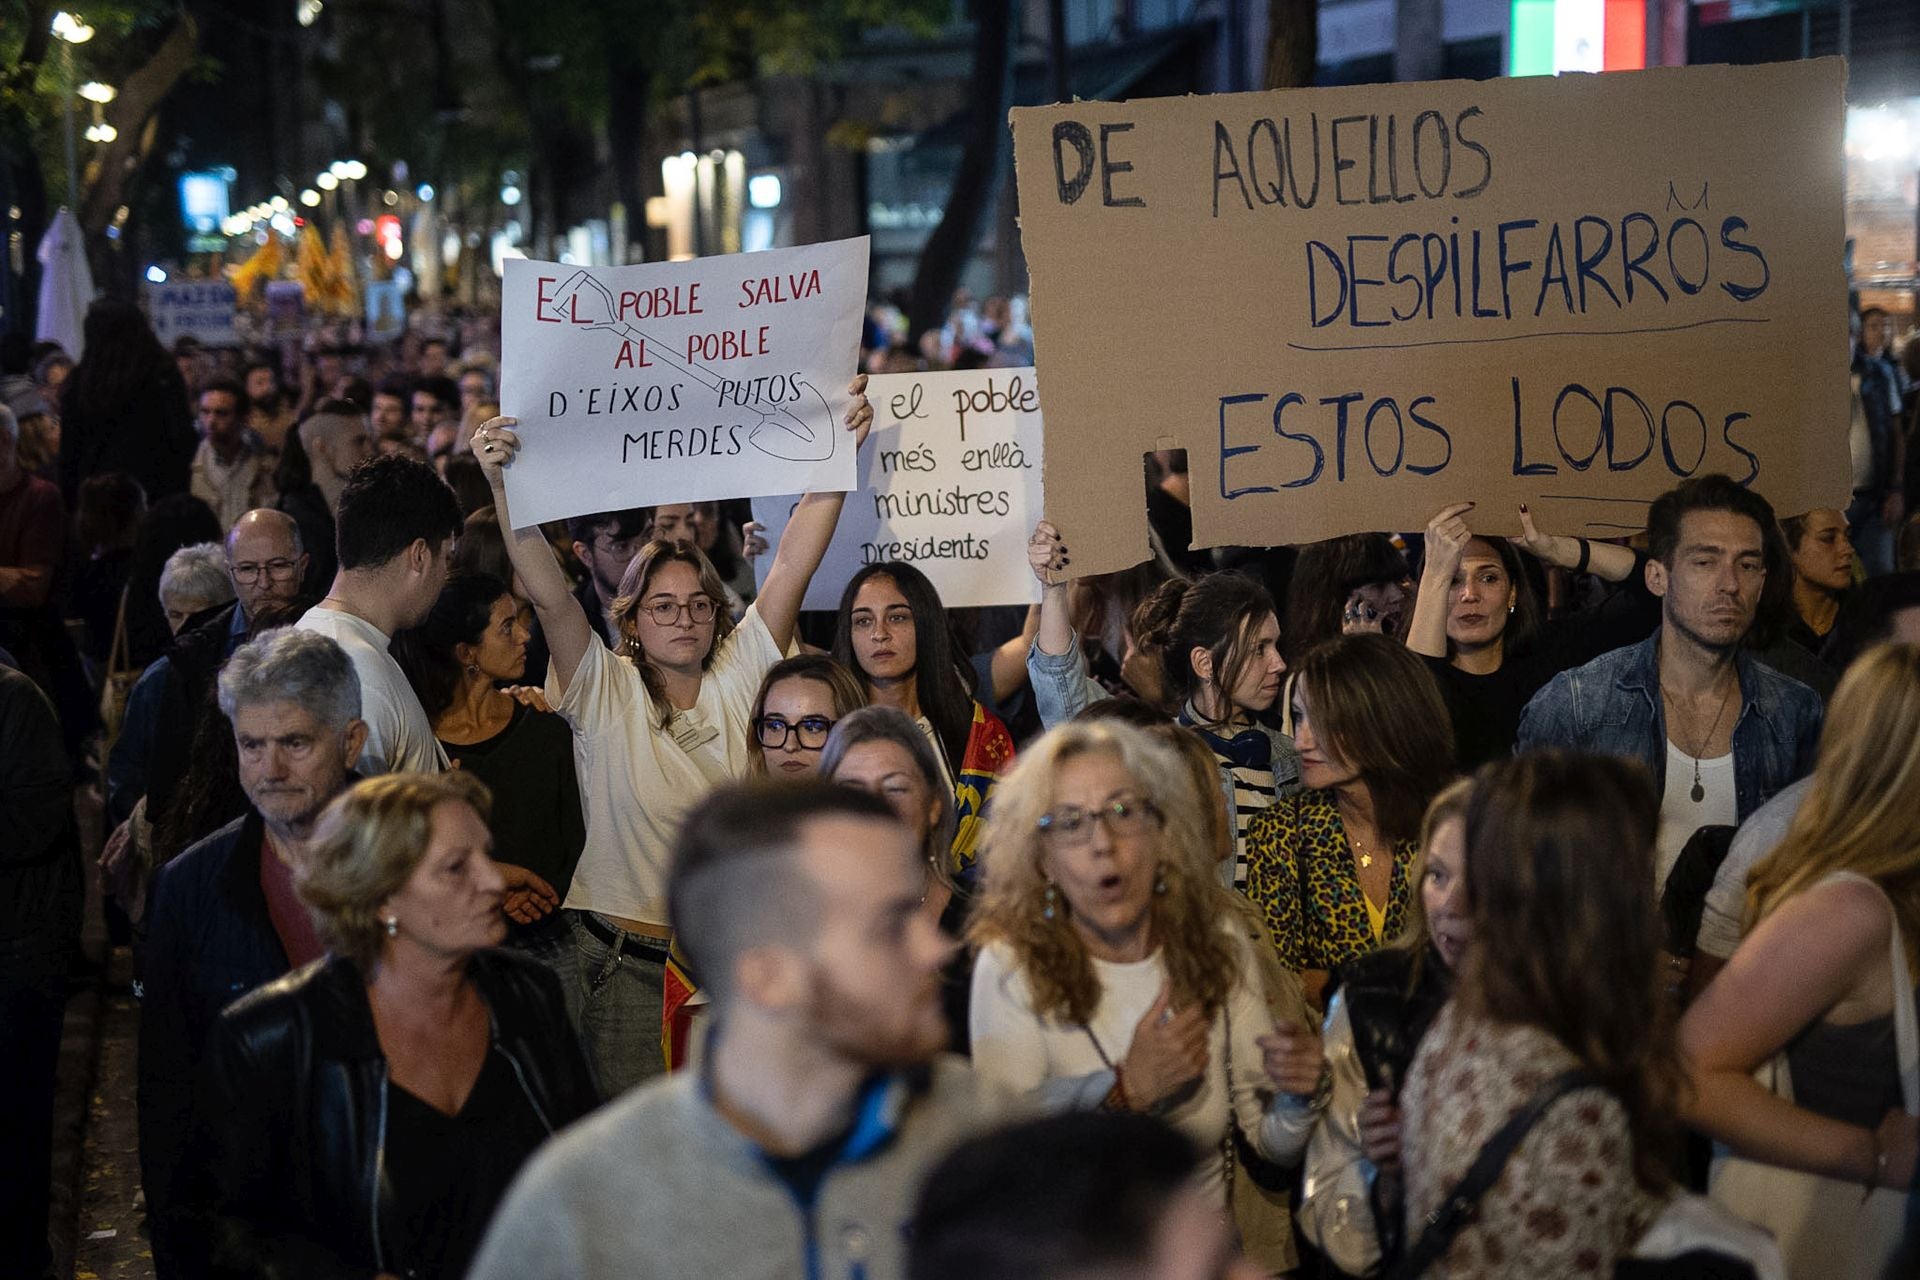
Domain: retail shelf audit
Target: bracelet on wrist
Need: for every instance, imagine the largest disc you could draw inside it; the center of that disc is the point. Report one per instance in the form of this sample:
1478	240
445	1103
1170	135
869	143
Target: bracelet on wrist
1586	555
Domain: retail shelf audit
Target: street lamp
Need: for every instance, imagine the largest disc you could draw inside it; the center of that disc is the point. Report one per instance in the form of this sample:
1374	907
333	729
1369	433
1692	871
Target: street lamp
310	197
94	91
71	31
326	181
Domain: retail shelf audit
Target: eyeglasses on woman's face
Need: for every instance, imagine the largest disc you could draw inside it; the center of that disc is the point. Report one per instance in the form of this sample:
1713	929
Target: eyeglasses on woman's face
667	612
775	731
1070	826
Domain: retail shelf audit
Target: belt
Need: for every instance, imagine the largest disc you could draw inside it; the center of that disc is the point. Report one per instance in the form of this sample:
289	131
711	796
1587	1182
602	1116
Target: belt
621	940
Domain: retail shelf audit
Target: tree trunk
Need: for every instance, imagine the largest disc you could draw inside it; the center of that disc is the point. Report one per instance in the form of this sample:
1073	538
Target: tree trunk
1293	43
629	93
990	91
104	183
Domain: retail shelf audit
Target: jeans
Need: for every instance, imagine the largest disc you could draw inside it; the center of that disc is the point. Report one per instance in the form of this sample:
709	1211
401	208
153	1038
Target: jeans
33	998
550	940
621	999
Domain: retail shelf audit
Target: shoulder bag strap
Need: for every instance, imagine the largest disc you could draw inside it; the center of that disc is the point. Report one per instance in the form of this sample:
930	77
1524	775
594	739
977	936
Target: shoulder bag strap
119	654
1453	1213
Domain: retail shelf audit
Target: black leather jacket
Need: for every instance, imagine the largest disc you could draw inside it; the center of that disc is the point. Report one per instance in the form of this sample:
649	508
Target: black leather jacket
296	1104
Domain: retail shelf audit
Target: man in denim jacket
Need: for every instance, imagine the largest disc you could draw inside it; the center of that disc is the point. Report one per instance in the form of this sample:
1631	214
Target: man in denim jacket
1720	732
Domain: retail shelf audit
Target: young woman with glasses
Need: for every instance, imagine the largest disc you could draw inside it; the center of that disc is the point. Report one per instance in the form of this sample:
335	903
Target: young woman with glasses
656	724
1114	970
800	701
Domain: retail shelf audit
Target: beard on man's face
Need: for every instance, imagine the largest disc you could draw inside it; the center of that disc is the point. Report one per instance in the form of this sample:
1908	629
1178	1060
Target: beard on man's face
901	1031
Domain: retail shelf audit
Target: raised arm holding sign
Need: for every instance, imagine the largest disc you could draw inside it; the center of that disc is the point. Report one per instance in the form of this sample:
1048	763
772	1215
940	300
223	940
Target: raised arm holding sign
564	621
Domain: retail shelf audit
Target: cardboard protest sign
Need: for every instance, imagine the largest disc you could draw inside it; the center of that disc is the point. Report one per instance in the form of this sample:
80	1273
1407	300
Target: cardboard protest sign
201	309
1352	306
680	382
949	482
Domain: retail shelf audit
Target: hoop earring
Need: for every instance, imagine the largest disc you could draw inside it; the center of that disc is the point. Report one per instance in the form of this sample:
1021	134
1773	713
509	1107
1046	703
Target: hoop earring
473	668
1049	898
393	926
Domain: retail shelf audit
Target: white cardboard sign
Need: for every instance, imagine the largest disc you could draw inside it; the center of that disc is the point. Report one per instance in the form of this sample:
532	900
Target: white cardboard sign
722	377
949	483
201	309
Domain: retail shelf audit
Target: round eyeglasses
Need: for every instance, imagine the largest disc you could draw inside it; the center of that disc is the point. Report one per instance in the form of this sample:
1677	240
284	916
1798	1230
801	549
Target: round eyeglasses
774	732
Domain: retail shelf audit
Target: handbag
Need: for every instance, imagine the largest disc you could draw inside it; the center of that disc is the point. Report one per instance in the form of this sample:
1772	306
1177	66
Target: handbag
1825	1226
117	687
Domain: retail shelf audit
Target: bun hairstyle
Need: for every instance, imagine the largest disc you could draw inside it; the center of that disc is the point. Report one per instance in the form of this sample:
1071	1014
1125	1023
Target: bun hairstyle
1213	612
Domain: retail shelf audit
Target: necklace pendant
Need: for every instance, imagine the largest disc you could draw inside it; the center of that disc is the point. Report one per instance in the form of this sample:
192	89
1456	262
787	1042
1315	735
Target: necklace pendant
1366	859
1698	793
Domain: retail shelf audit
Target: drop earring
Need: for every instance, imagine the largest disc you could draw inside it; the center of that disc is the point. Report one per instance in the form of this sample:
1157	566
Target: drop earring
393	926
1049	897
1160	881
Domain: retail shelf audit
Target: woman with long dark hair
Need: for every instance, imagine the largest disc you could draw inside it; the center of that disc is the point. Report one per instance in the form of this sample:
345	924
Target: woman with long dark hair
125	408
1563	974
1479	624
1332	864
1358	582
892	633
456	660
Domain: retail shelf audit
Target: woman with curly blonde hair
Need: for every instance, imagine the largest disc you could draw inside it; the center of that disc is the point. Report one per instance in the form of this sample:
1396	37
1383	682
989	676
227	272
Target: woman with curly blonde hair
1114	970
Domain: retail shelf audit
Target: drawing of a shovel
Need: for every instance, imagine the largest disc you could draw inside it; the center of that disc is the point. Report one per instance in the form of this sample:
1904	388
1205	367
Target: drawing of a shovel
780	433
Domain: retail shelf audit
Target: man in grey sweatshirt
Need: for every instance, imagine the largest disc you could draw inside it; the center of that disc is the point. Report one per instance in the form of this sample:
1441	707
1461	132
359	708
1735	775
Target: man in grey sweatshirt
797	1149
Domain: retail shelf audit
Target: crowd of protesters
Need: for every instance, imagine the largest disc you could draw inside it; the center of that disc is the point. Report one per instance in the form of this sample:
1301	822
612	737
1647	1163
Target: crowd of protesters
567	901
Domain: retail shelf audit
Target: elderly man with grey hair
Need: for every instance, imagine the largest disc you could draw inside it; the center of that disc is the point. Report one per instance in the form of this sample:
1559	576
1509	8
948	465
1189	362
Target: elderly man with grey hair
224	917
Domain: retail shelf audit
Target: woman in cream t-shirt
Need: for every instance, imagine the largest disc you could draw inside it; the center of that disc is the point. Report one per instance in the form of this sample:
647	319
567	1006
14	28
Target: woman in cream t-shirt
656	724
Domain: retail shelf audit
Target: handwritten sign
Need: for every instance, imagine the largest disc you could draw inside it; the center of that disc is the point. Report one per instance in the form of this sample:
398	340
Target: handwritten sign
1354	305
949	482
680	382
201	309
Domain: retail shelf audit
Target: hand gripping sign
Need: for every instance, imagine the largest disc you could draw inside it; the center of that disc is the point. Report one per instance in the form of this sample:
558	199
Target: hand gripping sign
681	382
